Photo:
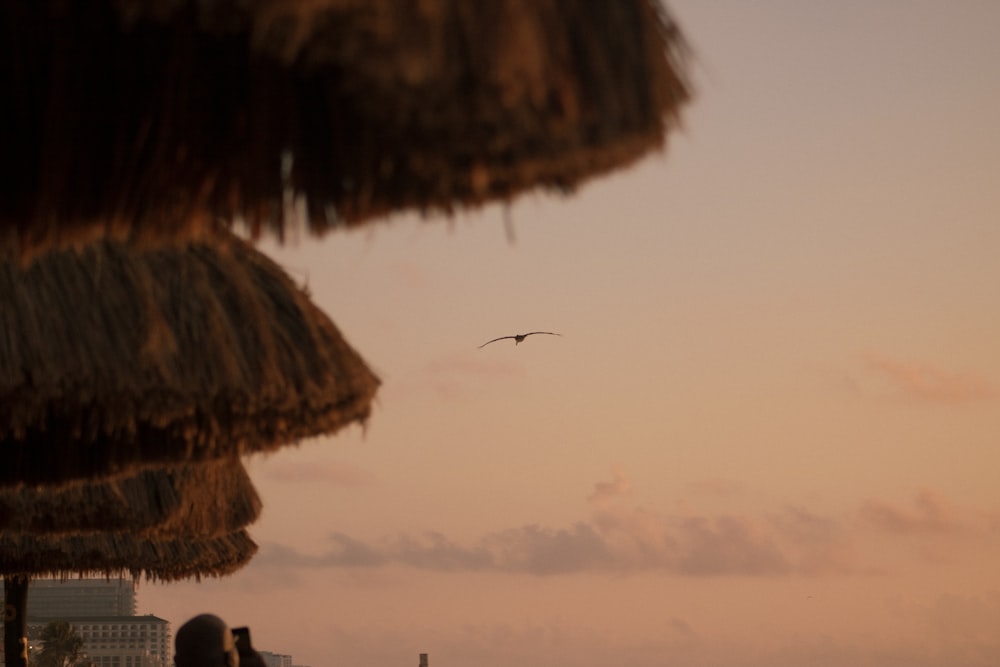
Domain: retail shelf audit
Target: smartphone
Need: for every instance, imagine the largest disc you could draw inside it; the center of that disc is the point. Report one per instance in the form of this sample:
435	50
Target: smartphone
242	637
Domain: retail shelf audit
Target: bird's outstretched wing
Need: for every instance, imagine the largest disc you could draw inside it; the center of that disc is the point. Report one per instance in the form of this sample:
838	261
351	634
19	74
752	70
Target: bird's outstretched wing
519	337
494	340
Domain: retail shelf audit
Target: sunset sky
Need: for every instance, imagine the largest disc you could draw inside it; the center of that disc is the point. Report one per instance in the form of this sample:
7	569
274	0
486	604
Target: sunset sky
770	433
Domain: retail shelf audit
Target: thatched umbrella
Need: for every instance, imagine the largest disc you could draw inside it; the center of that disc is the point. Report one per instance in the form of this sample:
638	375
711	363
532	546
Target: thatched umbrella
113	359
151	118
202	499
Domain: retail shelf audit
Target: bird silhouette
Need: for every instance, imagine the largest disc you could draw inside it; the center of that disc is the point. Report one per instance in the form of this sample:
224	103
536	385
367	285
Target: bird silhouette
519	337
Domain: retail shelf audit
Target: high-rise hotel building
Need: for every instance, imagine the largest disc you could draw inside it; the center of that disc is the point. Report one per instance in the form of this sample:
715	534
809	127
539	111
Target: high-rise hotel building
102	611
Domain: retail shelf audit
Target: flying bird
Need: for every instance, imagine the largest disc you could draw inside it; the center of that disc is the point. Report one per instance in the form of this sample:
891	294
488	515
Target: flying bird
519	337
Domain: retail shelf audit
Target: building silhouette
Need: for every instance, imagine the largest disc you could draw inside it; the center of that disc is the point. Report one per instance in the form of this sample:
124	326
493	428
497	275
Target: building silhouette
102	612
52	598
125	641
275	659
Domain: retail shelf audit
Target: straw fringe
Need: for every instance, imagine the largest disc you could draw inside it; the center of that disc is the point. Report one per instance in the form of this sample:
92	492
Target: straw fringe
149	120
112	359
125	554
194	501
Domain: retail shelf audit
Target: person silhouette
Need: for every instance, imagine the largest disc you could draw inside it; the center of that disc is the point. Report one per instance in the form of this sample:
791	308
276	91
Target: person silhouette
205	641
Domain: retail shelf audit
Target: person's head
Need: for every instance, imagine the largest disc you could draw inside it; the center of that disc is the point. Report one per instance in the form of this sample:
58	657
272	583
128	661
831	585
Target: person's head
205	641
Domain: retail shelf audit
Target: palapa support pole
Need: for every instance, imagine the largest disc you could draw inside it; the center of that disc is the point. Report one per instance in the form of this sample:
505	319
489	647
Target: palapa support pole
15	621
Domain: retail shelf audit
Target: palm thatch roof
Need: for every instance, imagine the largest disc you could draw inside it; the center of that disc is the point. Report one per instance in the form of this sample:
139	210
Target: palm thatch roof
114	554
152	118
197	500
112	360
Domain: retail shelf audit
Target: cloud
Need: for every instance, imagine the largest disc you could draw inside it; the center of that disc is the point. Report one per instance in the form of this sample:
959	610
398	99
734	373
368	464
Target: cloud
340	474
728	545
616	539
434	551
529	549
929	384
605	491
699	546
622	538
539	550
346	552
821	544
930	514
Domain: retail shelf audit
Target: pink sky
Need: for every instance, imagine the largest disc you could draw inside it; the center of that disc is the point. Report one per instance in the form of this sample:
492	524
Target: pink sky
769	434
